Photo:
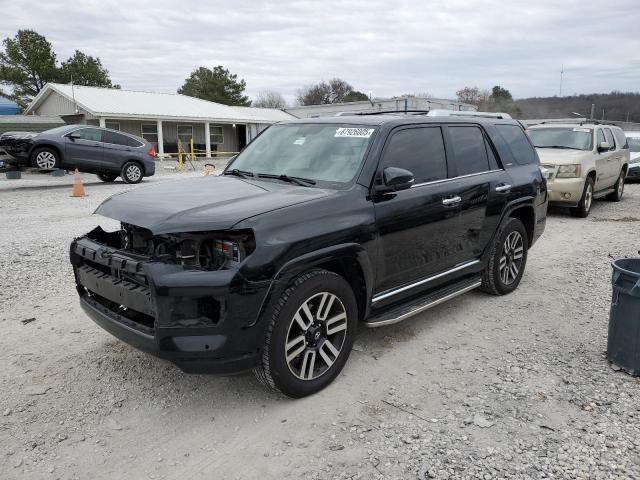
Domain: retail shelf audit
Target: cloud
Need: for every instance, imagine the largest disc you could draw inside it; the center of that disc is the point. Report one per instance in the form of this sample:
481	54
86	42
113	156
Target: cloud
390	48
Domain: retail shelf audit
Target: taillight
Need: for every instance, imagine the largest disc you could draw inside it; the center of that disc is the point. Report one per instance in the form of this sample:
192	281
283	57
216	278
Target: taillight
152	151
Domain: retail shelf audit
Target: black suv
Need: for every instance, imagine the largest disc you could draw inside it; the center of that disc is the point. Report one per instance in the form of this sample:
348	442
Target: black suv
317	227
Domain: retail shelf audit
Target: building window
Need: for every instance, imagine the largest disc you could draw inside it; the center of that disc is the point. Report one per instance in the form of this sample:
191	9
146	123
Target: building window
112	125
150	132
185	134
216	135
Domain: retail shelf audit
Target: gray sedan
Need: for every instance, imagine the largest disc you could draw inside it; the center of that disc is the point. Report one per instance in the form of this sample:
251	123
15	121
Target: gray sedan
107	153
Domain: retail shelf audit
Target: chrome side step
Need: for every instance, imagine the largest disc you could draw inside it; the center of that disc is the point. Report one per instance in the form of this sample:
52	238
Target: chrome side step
414	307
603	193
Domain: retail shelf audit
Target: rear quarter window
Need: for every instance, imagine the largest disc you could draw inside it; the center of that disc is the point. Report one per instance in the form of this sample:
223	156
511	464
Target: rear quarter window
518	143
621	138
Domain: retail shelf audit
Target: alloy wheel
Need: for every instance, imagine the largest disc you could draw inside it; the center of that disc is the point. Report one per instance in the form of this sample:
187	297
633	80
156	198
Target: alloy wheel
588	198
511	258
45	160
621	185
316	336
133	173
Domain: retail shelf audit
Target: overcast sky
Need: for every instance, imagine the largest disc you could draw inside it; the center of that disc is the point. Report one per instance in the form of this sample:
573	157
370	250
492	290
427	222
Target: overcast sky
387	47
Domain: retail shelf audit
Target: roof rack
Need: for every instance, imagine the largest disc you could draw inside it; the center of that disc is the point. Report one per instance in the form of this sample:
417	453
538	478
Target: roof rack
387	112
579	121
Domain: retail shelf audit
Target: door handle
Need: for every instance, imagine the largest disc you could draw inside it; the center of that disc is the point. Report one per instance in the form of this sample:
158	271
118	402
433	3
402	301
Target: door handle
449	201
96	145
503	188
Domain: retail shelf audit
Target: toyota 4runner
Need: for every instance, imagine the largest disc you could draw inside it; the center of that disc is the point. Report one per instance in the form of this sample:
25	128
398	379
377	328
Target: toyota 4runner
317	227
585	161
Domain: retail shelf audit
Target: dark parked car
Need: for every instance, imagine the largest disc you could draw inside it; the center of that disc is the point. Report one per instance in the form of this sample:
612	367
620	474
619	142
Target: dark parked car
107	153
317	227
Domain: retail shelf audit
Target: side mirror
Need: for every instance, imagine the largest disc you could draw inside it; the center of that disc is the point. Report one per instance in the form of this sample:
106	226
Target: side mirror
395	178
603	146
73	135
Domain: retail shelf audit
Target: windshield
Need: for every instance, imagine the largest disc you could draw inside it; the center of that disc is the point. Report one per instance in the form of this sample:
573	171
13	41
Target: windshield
572	138
329	153
634	144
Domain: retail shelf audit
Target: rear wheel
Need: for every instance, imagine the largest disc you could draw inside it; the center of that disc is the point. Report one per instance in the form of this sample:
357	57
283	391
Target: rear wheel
507	259
45	158
616	195
584	205
310	333
132	172
107	177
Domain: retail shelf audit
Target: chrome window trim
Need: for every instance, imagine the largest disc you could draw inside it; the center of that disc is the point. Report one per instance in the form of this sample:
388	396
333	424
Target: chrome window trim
390	293
456	178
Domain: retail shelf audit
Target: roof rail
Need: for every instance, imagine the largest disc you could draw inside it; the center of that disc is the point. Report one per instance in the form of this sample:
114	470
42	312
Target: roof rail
387	112
468	113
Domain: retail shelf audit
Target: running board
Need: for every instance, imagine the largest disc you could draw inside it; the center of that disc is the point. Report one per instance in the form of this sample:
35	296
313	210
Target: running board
421	304
603	193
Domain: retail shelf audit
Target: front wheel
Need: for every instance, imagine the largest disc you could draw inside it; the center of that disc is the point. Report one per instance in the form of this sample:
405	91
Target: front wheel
310	332
132	172
46	159
584	205
618	188
507	259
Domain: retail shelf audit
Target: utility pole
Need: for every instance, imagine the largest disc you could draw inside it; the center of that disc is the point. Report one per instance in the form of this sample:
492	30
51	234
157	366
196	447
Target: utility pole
593	112
561	74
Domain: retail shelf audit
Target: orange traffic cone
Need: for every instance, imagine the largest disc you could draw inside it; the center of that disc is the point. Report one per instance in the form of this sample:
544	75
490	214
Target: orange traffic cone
78	188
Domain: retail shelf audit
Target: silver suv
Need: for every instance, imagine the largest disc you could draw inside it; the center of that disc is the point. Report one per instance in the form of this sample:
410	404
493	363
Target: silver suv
585	161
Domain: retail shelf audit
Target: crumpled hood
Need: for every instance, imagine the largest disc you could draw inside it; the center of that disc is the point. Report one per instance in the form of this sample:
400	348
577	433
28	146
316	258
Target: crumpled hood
559	156
202	204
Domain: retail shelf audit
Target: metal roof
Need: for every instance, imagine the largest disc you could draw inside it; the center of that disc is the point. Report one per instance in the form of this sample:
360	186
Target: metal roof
31	119
110	102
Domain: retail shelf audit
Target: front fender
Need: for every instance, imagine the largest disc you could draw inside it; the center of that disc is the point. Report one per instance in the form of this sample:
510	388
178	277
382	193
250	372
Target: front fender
295	267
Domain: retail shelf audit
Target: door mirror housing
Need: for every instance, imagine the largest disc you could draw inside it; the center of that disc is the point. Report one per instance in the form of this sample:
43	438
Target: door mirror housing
395	178
74	135
604	147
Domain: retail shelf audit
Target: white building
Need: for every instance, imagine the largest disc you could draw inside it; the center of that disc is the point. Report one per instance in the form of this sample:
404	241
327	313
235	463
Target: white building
379	105
161	118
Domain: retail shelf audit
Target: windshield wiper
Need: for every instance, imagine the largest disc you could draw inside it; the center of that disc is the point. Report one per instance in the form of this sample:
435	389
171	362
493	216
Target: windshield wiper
286	178
559	146
238	173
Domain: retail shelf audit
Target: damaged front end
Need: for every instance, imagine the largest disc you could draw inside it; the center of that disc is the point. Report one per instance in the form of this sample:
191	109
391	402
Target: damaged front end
179	296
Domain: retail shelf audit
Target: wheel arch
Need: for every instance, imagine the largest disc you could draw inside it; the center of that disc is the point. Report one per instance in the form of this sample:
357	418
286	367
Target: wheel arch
52	146
350	261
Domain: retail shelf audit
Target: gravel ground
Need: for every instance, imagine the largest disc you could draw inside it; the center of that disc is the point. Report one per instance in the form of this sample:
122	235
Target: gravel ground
481	387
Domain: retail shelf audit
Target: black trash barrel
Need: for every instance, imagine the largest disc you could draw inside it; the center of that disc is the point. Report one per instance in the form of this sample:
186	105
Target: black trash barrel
623	346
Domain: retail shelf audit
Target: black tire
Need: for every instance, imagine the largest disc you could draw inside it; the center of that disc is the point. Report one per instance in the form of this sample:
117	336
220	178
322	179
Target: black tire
107	177
273	369
132	172
616	196
45	158
493	278
586	201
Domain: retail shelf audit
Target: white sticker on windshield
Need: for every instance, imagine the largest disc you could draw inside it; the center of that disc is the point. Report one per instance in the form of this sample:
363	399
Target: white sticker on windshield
354	132
299	141
586	130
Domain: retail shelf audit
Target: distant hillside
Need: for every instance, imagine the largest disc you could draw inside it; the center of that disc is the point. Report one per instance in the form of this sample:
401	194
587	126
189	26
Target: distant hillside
616	106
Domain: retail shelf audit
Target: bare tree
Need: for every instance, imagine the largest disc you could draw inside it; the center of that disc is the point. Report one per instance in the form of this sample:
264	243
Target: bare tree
335	90
269	99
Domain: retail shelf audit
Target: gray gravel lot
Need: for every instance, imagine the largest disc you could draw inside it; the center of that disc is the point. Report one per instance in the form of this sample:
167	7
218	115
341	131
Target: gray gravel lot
481	387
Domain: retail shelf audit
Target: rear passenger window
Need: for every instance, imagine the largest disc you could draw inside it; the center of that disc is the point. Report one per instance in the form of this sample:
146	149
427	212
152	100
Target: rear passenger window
470	150
610	139
419	150
115	138
518	143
